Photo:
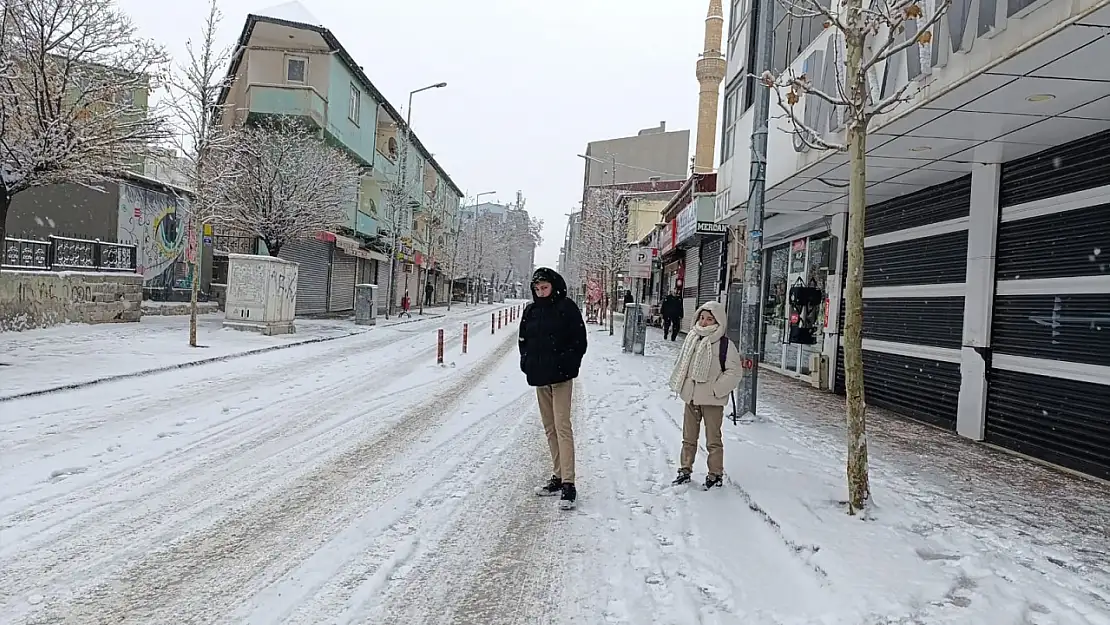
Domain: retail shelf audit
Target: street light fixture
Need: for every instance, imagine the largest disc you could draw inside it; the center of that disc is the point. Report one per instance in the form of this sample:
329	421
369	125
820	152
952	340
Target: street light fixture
399	203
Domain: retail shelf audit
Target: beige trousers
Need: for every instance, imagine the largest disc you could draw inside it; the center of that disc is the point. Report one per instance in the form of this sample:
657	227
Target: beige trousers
692	417
554	403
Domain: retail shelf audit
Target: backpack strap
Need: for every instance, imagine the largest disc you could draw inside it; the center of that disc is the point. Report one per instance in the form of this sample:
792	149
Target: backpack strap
724	352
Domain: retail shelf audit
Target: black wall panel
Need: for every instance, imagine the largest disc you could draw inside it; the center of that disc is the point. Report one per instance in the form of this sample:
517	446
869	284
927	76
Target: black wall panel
943	202
1072	243
933	321
1076	166
1063	422
939	259
1074	328
923	389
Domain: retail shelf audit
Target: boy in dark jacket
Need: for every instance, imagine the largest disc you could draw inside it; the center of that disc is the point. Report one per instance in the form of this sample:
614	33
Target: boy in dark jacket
552	344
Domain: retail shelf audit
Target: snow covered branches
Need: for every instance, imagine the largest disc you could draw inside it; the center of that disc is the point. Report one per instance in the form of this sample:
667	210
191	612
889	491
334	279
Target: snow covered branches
604	235
868	38
74	79
283	183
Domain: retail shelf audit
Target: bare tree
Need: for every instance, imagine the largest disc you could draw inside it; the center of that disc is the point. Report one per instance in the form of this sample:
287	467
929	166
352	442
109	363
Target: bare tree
74	79
284	184
604	249
870	34
195	87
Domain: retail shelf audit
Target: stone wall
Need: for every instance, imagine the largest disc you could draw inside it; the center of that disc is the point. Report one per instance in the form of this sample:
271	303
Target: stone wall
41	299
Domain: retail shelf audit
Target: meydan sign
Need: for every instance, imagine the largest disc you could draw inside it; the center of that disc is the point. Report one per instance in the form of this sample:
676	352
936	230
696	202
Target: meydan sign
967	22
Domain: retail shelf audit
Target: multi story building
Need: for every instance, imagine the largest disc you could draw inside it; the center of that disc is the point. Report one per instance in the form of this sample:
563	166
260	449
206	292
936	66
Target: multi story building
986	283
300	69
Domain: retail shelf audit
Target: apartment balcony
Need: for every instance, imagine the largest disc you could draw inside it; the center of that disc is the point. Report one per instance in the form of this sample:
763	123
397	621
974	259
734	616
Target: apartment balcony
385	170
294	100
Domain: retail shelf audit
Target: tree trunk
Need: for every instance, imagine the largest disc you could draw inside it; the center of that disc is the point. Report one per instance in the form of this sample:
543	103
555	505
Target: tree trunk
195	266
859	488
5	204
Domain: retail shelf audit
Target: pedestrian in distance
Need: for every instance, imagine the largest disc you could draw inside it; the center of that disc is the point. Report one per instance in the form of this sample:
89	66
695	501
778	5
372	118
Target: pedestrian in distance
707	371
671	312
406	304
552	343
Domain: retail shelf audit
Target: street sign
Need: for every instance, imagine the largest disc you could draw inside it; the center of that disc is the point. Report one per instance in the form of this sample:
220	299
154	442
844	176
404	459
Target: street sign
639	262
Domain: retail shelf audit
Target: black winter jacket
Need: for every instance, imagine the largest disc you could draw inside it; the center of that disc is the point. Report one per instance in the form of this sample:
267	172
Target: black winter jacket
671	308
552	335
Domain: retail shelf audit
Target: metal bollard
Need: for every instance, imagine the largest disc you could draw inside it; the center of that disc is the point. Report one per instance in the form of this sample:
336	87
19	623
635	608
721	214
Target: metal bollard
439	348
492	323
466	334
499	320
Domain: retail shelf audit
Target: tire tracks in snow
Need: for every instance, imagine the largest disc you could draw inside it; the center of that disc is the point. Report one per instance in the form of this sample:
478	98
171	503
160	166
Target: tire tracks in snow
209	572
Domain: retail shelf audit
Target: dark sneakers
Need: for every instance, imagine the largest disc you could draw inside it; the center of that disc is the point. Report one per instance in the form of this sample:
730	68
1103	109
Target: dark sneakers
569	498
713	481
553	487
683	477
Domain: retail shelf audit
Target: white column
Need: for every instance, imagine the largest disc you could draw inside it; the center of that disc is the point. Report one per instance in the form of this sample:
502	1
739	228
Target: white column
838	227
982	236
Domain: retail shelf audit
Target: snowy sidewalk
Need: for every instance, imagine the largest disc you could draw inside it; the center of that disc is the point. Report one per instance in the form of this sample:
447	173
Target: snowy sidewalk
959	534
73	354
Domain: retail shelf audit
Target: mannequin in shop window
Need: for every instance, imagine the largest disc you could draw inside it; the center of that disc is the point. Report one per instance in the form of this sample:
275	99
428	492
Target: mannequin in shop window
805	305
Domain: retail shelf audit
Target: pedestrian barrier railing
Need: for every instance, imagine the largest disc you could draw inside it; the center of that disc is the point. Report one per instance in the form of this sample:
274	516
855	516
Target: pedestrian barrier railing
59	253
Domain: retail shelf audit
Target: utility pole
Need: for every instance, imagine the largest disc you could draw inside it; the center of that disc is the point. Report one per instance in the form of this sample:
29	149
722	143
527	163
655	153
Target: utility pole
751	320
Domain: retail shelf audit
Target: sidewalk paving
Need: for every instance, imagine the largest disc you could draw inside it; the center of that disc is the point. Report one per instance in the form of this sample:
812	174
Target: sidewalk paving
35	361
1015	541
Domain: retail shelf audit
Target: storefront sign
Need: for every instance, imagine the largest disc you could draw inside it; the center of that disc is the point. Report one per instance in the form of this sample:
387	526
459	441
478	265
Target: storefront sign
669	237
709	227
687	223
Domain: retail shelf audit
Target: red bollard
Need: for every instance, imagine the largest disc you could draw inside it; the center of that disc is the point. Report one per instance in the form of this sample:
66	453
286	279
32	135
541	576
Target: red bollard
499	320
439	348
466	334
492	323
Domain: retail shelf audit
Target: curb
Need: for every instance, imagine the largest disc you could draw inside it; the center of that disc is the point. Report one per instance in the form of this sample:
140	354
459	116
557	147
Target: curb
193	363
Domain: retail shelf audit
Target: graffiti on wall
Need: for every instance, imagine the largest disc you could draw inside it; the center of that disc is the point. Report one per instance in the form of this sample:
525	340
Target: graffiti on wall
158	224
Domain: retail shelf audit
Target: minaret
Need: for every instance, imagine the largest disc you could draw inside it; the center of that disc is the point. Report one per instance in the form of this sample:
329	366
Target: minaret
710	73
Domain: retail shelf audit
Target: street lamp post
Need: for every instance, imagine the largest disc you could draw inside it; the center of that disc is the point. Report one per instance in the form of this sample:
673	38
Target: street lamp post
400	197
474	247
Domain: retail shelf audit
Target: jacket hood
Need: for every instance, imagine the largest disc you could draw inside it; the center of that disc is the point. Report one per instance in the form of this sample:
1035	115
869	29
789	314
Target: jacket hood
716	309
558	284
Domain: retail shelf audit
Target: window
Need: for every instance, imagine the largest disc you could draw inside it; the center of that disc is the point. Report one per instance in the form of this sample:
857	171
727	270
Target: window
739	7
355	104
732	113
296	69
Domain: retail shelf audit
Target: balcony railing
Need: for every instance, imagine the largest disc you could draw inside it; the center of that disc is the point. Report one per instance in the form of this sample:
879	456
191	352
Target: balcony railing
295	100
67	254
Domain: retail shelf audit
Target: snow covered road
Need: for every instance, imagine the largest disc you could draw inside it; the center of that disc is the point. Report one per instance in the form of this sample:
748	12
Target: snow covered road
356	482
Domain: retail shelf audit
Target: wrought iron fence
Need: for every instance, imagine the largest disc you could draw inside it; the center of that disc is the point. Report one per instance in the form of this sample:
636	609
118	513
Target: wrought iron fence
67	254
229	244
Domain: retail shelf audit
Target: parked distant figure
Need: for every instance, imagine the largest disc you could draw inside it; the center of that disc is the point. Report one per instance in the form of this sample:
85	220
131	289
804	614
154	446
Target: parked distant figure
671	312
707	371
429	292
552	343
406	304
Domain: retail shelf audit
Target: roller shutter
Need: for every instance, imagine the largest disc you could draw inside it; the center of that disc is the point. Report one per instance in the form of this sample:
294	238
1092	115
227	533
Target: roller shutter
313	258
1048	393
709	276
690	287
343	269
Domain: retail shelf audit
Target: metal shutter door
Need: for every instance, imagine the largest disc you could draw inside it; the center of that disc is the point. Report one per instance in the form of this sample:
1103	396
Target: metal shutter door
1049	413
342	296
690	287
314	260
382	269
709	276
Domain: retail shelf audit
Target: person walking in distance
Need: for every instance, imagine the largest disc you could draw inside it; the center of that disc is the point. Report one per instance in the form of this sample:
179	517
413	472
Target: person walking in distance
552	343
671	311
707	371
406	304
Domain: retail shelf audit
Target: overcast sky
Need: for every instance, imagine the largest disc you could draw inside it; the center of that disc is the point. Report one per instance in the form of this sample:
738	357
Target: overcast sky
530	82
